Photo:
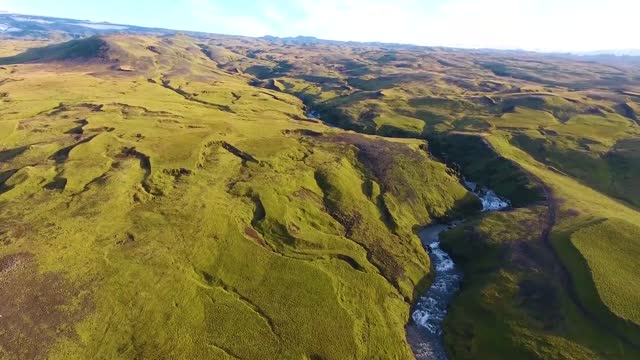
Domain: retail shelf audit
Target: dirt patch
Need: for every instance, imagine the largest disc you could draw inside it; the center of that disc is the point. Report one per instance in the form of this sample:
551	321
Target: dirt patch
255	236
36	309
12	230
13	261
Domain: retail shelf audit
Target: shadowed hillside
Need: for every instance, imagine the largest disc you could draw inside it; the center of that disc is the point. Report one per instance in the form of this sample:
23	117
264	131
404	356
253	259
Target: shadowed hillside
92	48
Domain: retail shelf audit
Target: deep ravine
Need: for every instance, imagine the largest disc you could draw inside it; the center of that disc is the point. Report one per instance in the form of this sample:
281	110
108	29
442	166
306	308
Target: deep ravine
424	331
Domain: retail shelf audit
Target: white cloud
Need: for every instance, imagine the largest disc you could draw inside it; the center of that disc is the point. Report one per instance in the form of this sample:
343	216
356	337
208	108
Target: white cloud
528	24
9	6
558	25
213	16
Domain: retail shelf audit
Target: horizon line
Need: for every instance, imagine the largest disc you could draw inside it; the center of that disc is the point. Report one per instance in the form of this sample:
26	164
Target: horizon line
599	52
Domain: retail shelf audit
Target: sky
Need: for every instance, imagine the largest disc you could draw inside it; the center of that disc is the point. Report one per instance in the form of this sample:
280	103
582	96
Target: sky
543	25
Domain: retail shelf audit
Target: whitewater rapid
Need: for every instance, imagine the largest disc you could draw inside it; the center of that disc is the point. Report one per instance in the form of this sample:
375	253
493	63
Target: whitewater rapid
424	332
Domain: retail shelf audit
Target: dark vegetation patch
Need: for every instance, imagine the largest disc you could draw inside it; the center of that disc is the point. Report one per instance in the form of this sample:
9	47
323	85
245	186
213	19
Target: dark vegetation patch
540	297
177	174
271	84
261	71
354	68
381	158
473	158
59	183
37	309
511	281
303	132
615	172
64	107
561	108
259	213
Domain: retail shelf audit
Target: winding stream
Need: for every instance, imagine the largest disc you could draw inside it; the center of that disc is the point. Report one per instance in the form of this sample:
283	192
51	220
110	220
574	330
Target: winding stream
424	332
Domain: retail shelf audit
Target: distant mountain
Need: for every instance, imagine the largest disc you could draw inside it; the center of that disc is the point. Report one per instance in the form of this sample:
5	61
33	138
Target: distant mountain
43	27
617	52
20	26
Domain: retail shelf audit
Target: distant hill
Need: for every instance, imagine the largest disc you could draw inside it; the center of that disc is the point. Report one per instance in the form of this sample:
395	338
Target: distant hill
20	26
614	52
44	27
92	47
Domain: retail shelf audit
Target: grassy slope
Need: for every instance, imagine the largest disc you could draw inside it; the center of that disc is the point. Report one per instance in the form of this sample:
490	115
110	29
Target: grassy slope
512	304
579	208
579	139
514	283
183	222
618	256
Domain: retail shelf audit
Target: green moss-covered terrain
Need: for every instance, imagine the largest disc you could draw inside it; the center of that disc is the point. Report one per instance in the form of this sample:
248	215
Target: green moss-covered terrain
194	196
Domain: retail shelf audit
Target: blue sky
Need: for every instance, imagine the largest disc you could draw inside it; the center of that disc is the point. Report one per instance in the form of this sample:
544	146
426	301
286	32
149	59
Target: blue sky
548	25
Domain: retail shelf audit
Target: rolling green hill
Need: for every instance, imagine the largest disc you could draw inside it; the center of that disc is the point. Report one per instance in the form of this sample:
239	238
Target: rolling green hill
174	196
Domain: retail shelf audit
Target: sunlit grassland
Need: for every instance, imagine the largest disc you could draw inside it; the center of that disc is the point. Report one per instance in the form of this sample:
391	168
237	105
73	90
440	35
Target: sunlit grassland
224	228
579	209
525	118
611	250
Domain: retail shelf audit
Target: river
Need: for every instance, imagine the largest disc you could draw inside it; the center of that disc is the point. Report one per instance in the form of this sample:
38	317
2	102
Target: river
424	331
